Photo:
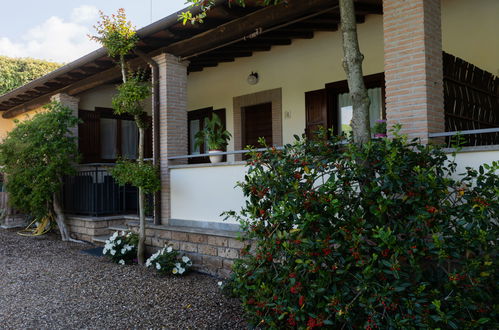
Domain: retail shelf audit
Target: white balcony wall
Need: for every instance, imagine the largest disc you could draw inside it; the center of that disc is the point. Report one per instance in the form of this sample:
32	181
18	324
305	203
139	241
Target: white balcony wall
475	158
202	193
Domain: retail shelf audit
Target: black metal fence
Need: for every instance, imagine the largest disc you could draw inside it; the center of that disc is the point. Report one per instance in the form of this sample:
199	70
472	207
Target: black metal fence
93	191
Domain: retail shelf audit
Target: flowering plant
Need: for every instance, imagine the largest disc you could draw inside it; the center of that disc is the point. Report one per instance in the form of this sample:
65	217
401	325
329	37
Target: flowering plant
379	235
379	128
166	261
121	247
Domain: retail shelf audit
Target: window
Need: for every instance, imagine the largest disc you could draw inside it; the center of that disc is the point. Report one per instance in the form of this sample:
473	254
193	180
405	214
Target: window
104	136
195	123
345	109
331	107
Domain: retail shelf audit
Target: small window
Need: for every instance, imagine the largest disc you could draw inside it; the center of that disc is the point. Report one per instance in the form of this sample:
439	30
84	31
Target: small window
195	123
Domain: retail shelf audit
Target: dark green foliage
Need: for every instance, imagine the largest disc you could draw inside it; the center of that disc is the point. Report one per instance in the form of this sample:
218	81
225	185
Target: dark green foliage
15	72
144	175
131	95
36	154
402	245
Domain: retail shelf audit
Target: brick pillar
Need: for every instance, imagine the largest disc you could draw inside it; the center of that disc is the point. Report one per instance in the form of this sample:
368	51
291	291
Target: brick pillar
413	66
172	121
70	102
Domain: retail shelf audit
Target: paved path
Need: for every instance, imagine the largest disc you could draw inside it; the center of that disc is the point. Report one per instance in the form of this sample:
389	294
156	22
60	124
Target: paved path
46	283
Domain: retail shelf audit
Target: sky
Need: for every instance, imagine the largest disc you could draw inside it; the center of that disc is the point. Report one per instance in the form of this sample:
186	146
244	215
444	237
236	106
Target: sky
56	30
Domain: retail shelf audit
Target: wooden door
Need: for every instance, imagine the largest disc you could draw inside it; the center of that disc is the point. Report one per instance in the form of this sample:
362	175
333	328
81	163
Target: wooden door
257	122
316	110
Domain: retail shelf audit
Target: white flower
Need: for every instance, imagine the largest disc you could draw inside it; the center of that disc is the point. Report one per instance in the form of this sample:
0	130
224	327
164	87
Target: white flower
174	270
148	262
169	249
113	252
114	235
123	233
121	262
181	271
220	283
123	251
185	259
104	251
178	265
119	242
158	266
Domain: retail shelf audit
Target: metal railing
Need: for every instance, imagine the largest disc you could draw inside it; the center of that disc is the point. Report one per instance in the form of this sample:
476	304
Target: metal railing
93	191
474	137
222	153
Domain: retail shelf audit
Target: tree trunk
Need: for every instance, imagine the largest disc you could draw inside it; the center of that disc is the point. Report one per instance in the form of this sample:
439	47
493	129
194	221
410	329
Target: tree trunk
352	63
123	69
142	212
60	218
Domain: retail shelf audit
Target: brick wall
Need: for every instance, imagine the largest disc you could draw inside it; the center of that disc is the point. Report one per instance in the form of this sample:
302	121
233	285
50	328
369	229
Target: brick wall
211	252
413	66
172	120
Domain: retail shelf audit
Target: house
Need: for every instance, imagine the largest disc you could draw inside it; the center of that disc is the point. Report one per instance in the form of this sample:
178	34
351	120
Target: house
274	72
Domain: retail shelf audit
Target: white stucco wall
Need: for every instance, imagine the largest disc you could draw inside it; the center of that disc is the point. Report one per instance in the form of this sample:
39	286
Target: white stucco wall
474	159
203	193
470	31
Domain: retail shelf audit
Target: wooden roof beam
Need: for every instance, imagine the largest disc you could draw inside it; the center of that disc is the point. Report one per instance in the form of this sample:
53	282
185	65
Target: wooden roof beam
212	59
288	35
368	8
331	26
238	28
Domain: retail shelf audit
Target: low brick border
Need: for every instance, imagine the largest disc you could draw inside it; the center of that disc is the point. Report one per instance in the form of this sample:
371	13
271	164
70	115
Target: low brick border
212	251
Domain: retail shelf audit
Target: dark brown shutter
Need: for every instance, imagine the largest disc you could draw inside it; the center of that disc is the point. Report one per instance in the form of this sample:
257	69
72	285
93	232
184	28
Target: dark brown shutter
89	136
316	111
148	139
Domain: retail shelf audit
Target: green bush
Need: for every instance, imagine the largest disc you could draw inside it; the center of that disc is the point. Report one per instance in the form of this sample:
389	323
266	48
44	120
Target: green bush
369	236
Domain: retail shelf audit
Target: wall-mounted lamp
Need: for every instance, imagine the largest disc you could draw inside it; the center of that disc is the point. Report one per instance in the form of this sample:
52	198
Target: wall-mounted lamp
252	78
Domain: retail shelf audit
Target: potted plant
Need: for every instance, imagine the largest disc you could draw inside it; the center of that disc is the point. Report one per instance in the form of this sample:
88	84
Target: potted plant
215	137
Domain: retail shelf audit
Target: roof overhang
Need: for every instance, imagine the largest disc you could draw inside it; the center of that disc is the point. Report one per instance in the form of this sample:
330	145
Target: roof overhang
228	32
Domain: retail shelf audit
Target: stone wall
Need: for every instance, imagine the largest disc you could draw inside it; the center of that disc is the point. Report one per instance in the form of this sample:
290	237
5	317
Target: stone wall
87	228
212	252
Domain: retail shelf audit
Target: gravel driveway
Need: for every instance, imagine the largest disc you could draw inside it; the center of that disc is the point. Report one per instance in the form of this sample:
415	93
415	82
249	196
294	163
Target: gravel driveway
46	283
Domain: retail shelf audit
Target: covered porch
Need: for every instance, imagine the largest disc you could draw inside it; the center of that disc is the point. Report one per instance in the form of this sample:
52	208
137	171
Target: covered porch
417	71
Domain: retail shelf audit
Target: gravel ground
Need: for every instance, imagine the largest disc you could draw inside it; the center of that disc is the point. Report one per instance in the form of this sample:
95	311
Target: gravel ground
46	283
